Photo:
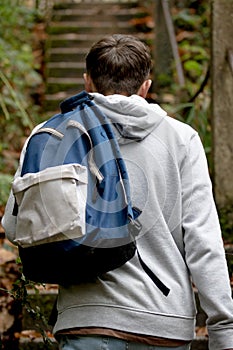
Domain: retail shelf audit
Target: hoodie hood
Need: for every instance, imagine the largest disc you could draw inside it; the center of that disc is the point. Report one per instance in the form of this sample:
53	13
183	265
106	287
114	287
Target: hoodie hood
133	117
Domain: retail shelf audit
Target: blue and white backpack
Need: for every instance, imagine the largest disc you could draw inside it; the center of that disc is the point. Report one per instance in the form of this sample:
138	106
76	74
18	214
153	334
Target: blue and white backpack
75	220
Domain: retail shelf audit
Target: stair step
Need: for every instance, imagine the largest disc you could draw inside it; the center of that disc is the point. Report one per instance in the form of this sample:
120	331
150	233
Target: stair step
84	27
65	54
98	13
51	105
119	9
52	101
55	85
65	69
61	65
77	4
71	40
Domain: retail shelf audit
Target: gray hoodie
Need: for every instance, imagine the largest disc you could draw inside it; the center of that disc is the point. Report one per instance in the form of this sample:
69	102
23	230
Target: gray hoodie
180	241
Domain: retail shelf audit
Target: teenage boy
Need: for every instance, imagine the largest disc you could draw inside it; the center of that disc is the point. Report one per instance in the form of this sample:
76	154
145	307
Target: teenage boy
180	240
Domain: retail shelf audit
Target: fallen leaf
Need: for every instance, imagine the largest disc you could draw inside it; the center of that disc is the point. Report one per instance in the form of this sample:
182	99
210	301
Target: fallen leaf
6	256
6	320
31	334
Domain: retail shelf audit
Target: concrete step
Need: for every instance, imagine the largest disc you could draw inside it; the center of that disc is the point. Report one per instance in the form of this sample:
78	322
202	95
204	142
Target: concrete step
71	40
64	54
52	102
99	14
102	27
66	69
92	4
70	85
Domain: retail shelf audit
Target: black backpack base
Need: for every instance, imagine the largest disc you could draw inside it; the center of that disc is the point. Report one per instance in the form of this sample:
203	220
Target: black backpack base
78	264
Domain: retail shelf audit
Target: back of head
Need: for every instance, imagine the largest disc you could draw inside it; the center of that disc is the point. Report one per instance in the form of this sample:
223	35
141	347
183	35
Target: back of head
118	64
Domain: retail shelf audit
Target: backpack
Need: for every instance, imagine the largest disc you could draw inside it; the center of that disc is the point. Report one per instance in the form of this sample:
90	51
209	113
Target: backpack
75	220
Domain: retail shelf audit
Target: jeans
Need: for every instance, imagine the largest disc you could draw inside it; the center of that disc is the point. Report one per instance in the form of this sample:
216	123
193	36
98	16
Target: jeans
107	343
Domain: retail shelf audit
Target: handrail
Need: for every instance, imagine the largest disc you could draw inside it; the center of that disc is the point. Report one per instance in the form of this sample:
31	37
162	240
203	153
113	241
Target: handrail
173	42
44	6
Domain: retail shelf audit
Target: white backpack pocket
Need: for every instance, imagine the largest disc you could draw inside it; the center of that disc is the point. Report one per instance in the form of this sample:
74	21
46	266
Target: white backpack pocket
51	204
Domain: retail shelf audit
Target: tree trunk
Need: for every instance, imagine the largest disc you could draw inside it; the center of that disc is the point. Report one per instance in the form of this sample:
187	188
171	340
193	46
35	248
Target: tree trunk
222	100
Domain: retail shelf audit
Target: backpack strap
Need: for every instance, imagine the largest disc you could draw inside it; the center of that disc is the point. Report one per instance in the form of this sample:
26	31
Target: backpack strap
72	102
93	167
67	106
164	289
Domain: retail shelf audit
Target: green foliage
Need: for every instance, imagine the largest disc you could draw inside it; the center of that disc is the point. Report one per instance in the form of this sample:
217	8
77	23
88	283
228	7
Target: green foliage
19	79
192	102
191	20
226	221
164	80
192	26
20	293
18	75
197	115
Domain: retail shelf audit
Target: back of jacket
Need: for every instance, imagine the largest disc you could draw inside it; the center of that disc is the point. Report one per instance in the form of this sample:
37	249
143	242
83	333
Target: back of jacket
180	240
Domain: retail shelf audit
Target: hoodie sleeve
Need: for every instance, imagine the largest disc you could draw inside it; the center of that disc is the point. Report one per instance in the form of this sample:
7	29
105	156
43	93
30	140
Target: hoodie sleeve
204	249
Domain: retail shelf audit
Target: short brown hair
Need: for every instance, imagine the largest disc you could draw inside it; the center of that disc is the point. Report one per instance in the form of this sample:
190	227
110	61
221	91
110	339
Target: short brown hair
118	64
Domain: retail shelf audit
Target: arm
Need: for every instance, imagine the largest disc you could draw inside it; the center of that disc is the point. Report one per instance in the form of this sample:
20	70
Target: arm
204	248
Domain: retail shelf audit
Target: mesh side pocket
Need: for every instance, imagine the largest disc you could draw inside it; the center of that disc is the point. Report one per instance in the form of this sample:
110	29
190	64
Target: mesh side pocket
52	205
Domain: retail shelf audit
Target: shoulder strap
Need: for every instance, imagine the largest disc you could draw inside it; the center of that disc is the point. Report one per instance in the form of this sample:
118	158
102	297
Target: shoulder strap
83	97
72	102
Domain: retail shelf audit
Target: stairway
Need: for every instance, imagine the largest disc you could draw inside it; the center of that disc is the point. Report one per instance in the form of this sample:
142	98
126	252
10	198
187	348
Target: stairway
73	28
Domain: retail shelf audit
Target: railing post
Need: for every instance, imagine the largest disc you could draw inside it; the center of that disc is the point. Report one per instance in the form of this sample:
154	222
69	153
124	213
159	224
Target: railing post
165	48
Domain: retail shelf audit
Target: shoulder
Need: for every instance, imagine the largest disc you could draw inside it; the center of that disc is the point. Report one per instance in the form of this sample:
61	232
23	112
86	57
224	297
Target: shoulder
183	130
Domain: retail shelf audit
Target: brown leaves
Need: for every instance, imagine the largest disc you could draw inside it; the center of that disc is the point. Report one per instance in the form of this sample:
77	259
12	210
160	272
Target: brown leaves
31	334
6	318
6	256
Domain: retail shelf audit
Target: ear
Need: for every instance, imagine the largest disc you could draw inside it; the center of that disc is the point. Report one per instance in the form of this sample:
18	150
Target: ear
88	84
144	88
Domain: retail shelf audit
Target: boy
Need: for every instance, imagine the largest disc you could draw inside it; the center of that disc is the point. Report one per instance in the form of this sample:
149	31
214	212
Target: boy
181	238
